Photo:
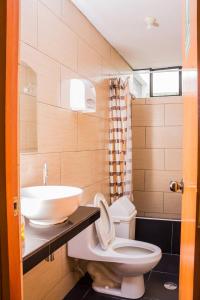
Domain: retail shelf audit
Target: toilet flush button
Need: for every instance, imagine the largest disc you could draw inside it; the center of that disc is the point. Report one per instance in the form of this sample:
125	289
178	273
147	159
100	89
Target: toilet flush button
170	286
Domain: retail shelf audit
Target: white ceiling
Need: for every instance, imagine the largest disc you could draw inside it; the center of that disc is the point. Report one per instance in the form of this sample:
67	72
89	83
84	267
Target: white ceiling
122	23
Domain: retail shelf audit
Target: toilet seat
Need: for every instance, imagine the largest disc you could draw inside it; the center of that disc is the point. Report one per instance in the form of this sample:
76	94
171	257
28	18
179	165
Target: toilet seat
144	252
114	249
104	225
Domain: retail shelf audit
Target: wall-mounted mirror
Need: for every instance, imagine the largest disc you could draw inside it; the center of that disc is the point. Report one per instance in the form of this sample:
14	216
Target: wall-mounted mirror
28	108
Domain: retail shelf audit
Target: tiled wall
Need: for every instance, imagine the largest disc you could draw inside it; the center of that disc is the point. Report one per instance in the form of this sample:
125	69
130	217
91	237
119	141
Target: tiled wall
58	43
157	155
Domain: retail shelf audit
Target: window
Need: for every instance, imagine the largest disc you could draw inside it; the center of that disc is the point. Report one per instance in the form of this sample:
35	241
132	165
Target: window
166	82
157	82
141	83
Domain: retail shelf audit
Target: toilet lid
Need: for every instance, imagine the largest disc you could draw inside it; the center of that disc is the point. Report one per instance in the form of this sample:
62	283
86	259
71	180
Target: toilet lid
104	225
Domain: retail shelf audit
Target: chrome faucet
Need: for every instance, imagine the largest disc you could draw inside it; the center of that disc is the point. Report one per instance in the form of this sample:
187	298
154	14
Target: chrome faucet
45	174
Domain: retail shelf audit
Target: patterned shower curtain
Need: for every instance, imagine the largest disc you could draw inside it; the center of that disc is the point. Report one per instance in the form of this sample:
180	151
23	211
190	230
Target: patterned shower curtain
120	140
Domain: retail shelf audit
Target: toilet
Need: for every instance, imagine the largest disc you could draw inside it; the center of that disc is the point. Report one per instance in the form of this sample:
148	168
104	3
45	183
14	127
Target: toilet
116	264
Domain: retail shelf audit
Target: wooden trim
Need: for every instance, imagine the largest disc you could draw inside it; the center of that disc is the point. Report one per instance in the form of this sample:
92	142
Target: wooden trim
4	276
10	254
197	248
189	262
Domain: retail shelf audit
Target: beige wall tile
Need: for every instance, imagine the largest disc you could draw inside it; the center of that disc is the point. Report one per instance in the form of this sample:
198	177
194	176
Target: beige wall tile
77	168
31	169
173	159
163	216
28	137
59	43
172	203
119	62
138	134
164	137
97	41
158	137
140	213
28	22
138	101
79	24
54	5
148	115
57	129
138	180
148	201
159	180
102	96
173	114
105	189
90	192
92	132
89	61
47	74
100	165
28	108
83	168
108	69
164	100
148	159
75	19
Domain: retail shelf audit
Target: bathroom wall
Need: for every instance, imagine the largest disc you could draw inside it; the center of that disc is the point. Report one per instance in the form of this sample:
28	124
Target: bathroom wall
59	43
157	155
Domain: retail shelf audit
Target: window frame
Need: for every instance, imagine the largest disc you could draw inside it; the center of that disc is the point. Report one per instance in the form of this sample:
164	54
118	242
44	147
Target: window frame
151	70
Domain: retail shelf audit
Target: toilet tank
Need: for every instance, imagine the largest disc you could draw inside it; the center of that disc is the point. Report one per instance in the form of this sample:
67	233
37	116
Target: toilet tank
124	213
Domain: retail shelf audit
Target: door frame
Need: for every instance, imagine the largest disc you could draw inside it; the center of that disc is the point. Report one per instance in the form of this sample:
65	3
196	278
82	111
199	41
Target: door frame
10	254
197	248
190	230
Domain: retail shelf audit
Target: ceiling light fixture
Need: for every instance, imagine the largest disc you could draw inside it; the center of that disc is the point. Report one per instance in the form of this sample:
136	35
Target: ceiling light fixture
151	22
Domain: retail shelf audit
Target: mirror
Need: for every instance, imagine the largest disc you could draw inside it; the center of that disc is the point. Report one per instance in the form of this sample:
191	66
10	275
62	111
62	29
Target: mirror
28	108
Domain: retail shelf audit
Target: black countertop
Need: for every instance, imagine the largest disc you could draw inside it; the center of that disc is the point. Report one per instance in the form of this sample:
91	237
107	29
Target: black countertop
40	241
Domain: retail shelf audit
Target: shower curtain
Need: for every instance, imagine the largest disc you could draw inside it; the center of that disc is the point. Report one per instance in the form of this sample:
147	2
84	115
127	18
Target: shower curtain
120	140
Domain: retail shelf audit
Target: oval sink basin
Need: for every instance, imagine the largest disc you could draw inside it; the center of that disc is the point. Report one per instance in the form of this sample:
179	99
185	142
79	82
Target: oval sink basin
49	205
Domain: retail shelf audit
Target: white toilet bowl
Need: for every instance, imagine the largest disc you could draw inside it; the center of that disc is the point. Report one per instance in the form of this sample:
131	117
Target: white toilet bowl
126	260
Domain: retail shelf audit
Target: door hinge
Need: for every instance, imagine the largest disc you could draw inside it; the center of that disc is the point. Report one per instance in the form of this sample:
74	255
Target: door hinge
15	206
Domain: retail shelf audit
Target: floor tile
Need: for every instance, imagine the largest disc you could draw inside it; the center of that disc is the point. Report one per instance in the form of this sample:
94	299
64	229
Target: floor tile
81	289
92	295
154	283
155	286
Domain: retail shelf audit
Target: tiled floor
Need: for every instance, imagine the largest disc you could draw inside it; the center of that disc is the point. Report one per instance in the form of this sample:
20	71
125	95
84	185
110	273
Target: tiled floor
166	271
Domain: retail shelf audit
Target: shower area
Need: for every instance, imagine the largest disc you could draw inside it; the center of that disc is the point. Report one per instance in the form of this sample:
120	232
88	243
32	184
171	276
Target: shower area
145	156
145	149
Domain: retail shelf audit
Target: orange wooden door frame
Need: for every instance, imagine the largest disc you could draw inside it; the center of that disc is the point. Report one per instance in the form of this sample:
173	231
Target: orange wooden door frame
189	288
10	256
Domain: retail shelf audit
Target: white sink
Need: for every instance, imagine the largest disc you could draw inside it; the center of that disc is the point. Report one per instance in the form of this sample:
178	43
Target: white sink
48	205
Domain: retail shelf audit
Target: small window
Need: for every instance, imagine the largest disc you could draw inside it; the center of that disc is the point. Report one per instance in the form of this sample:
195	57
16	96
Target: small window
157	82
166	82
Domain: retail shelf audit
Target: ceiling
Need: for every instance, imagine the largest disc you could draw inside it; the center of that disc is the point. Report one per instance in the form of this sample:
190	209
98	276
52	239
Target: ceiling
122	23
